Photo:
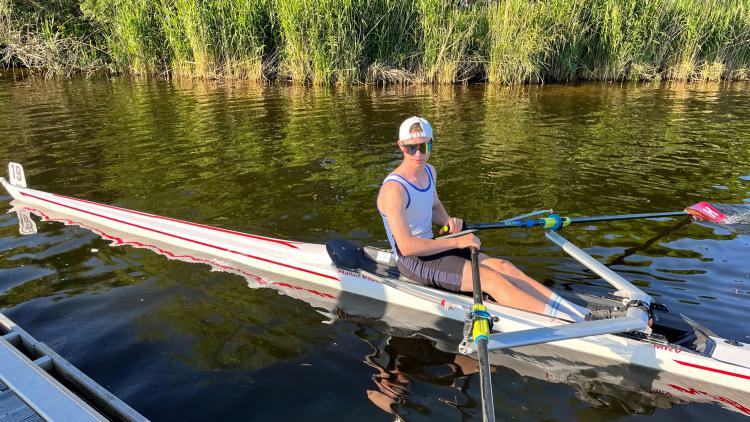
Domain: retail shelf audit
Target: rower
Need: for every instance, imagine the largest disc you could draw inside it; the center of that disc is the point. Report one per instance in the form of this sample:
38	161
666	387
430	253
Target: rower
409	205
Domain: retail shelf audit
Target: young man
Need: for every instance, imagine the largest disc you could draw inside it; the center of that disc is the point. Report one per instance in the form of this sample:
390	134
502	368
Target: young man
409	204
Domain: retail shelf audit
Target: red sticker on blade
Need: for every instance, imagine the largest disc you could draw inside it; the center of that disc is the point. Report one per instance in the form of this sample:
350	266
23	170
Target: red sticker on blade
706	211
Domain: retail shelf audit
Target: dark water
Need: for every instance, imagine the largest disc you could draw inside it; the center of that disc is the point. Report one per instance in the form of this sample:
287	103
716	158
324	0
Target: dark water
179	342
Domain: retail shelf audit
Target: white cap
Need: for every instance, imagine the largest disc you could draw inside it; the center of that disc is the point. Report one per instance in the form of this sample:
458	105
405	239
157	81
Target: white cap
405	134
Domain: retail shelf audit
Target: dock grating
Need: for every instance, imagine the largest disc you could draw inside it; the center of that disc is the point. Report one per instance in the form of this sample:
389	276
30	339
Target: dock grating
13	409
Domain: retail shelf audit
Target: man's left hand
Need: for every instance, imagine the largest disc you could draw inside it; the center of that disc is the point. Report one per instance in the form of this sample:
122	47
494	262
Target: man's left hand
454	225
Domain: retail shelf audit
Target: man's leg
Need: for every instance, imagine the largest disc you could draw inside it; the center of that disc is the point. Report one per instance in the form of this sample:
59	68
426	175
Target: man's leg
504	289
510	286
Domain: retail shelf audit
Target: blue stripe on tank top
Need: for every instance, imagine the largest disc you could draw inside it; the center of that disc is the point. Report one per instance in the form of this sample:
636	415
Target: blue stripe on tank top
429	173
429	181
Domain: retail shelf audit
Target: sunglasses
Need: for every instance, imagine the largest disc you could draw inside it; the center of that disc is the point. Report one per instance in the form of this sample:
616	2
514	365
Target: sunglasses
424	147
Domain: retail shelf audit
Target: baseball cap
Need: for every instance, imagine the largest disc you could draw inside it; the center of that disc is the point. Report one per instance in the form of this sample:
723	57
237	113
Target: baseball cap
405	134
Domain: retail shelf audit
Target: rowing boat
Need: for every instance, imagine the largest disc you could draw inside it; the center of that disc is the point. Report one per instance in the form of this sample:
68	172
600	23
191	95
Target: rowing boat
343	271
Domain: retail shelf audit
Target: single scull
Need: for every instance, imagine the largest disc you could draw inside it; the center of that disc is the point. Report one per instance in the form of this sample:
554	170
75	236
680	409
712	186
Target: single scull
344	269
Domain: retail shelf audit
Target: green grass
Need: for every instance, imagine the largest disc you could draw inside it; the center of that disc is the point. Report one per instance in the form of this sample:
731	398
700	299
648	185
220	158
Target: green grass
384	41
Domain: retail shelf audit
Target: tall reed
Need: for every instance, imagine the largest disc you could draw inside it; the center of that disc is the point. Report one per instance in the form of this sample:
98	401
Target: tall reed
322	41
518	43
393	42
566	40
133	33
205	38
385	41
450	36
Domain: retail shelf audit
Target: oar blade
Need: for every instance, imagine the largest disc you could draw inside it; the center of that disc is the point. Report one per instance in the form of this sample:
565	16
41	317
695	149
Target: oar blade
705	211
734	217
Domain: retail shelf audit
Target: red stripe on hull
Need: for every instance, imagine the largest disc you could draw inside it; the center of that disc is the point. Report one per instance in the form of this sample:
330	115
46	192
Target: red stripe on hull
718	371
191	258
184	238
174	220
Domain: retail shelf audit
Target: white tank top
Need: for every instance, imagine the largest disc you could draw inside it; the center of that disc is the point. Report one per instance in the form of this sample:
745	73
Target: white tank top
418	208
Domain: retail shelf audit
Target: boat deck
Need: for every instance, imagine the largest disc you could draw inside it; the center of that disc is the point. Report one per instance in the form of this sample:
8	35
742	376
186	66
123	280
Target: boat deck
37	384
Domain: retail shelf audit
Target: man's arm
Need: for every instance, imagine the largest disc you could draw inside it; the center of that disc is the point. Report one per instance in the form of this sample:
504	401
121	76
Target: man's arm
439	214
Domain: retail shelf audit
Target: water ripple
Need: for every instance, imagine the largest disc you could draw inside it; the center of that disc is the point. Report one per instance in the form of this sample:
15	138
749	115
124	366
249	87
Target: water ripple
305	164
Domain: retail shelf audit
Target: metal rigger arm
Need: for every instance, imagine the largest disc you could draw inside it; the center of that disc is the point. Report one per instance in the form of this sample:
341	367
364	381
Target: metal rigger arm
636	301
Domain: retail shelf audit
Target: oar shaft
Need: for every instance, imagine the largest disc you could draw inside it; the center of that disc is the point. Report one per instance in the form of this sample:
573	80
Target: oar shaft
574	220
475	280
505	224
500	225
481	327
485	383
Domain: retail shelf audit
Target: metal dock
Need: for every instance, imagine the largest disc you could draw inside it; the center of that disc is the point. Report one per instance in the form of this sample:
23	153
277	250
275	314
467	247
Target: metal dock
37	384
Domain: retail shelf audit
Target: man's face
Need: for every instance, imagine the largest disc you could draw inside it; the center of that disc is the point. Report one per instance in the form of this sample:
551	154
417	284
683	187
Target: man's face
417	149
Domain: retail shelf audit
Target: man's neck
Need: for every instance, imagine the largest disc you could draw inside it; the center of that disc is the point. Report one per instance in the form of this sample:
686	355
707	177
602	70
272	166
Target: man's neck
411	171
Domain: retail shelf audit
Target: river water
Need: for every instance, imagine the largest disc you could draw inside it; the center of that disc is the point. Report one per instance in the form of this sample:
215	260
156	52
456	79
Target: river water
178	341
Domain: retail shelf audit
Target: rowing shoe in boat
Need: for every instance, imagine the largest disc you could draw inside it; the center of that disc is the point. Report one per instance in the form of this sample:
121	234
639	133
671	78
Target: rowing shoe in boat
342	270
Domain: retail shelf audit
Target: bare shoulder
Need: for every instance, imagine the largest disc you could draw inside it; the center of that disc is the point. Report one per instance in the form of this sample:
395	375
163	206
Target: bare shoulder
391	196
390	188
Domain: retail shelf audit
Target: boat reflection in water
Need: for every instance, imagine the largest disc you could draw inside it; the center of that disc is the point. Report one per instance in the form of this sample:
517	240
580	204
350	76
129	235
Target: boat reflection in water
404	359
427	356
445	378
419	354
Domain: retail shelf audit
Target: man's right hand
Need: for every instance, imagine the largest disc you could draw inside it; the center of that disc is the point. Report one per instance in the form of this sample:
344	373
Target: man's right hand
468	241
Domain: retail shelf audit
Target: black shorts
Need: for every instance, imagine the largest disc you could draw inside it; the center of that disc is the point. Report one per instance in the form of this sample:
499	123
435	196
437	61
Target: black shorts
443	270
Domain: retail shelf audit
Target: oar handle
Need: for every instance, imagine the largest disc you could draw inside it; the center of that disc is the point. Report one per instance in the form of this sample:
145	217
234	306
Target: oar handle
464	231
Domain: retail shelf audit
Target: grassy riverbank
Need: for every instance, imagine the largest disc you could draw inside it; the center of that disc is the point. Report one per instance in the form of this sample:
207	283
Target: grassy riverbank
383	41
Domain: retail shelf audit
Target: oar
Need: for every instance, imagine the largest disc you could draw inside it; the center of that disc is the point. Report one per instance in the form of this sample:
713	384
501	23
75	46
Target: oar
555	220
701	211
480	333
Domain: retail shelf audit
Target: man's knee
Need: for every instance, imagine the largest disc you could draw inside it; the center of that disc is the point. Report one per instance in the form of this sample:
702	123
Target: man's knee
497	264
493	279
